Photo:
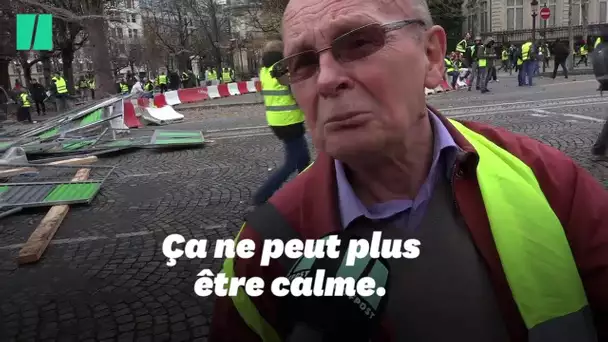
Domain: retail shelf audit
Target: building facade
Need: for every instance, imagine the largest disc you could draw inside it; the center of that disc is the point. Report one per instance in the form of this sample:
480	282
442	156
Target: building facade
512	20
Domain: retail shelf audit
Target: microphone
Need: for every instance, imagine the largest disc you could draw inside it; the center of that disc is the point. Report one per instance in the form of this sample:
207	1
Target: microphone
354	318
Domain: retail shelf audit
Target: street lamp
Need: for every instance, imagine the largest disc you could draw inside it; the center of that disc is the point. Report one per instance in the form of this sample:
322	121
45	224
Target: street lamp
534	6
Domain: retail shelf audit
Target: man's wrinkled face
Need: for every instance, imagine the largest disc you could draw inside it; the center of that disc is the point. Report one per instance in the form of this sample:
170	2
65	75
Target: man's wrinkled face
365	106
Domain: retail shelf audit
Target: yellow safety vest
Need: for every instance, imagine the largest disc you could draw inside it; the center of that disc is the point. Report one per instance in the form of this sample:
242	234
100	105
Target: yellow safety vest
281	107
525	51
520	61
598	40
211	75
226	76
162	79
185	76
62	87
91	84
482	62
505	55
25	102
448	65
530	240
584	50
149	86
124	88
461	46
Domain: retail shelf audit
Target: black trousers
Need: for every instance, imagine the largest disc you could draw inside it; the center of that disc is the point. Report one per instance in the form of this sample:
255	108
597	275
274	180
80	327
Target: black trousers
24	114
556	64
163	88
39	105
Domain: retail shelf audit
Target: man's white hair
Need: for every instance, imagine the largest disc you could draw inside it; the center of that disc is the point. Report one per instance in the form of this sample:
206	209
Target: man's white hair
421	11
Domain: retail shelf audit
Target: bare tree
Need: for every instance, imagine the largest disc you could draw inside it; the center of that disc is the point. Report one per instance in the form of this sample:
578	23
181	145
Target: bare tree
213	28
7	43
93	15
263	16
172	24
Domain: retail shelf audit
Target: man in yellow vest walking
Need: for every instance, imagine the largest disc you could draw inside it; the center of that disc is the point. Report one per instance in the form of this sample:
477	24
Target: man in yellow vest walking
162	82
527	69
25	103
60	90
286	121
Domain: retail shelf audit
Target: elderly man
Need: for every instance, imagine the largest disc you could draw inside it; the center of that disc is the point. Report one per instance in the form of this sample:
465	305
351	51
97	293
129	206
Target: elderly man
514	235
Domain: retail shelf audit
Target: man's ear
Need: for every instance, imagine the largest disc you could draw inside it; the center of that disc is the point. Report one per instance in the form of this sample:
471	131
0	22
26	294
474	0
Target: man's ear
434	40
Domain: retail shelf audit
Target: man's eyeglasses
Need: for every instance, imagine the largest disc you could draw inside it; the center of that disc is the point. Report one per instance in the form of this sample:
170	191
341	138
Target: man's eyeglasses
356	44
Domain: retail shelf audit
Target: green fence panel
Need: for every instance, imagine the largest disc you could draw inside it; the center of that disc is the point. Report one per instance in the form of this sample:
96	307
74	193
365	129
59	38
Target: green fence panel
73	192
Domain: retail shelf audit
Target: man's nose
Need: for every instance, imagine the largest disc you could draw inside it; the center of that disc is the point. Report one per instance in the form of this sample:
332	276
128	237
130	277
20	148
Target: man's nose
331	77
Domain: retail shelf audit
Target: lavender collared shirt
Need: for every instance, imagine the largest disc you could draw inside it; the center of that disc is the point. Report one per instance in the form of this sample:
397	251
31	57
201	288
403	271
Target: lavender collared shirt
410	211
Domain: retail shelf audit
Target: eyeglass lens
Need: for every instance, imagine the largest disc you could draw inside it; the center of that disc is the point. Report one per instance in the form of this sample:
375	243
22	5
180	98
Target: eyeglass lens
349	47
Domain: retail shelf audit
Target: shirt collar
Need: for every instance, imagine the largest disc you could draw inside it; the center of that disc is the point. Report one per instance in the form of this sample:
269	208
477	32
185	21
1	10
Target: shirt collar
350	205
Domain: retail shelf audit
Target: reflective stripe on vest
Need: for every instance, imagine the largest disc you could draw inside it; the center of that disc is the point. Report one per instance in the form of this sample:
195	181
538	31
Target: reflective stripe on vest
124	88
211	75
598	40
91	84
532	245
62	87
25	103
530	241
281	107
525	51
461	46
162	79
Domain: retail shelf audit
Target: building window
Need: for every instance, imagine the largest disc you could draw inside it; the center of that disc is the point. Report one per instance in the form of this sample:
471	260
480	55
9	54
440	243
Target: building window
119	33
38	67
130	33
515	14
484	17
553	8
135	33
576	12
129	3
603	12
133	18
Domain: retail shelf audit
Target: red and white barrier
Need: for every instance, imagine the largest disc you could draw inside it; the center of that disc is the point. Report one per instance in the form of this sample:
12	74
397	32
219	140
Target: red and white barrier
441	88
191	95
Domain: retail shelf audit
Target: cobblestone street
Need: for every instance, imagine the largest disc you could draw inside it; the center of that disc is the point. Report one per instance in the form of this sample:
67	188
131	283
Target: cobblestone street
104	277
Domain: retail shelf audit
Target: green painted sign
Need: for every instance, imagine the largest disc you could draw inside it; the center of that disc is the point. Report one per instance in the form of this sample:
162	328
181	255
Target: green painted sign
37	28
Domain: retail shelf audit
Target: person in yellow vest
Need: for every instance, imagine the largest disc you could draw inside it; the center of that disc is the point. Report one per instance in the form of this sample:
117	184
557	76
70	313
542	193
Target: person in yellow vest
162	81
226	75
83	88
211	76
598	40
463	45
451	70
284	118
504	59
148	87
185	78
91	83
123	87
583	51
508	237
60	91
526	72
25	103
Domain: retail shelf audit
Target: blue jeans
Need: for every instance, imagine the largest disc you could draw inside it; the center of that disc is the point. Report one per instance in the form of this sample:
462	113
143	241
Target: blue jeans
526	73
297	158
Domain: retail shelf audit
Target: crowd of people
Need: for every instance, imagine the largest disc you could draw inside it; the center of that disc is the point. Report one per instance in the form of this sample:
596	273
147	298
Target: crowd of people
36	94
476	63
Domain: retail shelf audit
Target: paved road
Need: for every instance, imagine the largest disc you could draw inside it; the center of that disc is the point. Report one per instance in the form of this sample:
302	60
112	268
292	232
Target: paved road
104	276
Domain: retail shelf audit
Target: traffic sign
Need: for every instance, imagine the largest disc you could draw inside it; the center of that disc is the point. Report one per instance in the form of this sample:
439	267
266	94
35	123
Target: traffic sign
545	13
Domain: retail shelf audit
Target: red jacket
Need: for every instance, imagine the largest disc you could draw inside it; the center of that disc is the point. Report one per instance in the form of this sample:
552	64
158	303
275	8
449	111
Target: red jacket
309	203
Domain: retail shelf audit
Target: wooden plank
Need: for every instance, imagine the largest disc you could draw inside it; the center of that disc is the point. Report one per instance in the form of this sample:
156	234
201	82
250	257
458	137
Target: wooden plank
43	234
73	161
